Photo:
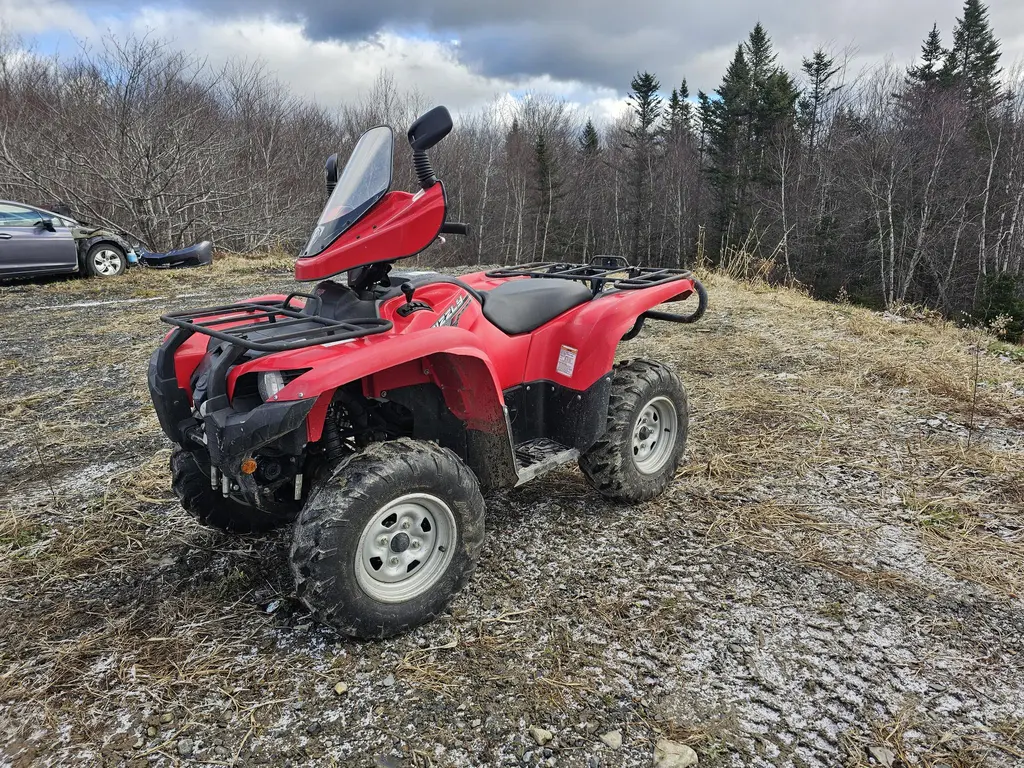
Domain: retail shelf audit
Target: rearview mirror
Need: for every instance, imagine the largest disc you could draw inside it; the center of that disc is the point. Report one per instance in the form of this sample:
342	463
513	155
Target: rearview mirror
46	224
429	129
331	173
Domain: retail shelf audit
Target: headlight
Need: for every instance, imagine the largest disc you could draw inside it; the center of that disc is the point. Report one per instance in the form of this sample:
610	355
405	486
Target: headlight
269	384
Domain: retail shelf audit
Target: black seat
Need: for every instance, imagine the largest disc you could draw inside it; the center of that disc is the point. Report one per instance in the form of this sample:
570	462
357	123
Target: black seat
521	306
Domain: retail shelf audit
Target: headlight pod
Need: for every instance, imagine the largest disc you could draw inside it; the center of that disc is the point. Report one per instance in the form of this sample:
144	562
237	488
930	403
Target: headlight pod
270	383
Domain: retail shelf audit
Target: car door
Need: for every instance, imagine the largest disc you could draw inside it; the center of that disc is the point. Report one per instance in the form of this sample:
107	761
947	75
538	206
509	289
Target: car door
27	247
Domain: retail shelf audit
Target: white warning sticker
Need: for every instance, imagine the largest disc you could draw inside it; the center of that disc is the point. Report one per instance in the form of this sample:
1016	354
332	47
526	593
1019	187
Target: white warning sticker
566	360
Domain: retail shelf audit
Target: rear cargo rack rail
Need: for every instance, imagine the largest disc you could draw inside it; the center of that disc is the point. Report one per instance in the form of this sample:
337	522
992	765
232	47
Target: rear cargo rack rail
280	324
600	272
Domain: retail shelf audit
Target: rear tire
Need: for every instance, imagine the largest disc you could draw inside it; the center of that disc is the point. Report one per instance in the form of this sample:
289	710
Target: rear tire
105	260
190	479
648	419
363	558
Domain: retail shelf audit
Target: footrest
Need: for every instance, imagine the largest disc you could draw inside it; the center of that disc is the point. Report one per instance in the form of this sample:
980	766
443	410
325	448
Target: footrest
538	457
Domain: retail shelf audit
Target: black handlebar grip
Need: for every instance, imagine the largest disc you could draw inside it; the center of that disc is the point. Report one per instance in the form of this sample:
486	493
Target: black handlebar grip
454	228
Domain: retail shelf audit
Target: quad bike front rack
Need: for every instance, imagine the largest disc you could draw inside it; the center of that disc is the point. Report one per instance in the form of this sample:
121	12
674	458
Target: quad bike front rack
277	325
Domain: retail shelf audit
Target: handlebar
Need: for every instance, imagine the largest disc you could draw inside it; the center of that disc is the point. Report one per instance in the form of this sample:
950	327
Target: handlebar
454	228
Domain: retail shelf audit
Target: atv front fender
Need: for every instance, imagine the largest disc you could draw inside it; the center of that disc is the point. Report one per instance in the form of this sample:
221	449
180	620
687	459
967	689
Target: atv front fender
448	357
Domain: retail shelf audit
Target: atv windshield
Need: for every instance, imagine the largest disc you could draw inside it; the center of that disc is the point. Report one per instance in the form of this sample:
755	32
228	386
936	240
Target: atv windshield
364	181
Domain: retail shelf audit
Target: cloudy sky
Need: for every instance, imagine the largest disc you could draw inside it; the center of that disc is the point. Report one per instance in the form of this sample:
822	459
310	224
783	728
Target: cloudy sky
465	53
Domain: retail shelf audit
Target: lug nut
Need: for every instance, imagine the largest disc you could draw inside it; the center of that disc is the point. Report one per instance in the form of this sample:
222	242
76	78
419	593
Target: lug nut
405	525
394	561
383	541
415	545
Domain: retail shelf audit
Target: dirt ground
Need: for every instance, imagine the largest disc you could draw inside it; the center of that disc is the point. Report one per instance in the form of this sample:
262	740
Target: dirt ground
834	579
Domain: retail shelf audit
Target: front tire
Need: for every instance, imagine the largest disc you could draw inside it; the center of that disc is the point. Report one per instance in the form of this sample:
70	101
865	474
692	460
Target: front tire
190	479
105	260
386	542
648	420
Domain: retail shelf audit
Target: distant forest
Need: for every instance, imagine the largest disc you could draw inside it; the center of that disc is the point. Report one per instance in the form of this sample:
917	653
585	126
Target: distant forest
889	186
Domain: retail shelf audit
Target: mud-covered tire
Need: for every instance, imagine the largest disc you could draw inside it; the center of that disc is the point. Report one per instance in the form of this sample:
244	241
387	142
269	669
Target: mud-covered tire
347	514
615	464
190	479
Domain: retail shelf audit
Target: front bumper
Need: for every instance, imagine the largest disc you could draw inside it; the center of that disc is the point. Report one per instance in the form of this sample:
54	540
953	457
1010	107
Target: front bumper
232	436
228	435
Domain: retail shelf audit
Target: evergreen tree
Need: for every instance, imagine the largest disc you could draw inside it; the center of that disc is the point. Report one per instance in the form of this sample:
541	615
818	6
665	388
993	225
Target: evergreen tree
679	119
929	71
774	94
729	115
674	105
548	189
643	135
819	71
756	102
705	118
646	104
973	61
589	143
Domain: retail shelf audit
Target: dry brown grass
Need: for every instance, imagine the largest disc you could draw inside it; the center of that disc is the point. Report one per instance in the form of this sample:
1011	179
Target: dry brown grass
948	749
810	443
785	387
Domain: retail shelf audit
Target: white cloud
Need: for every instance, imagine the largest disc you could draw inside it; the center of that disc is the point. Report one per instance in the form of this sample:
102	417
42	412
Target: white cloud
336	72
23	18
327	71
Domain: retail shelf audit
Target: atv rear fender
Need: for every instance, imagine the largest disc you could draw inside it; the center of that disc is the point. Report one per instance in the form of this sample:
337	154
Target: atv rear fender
594	332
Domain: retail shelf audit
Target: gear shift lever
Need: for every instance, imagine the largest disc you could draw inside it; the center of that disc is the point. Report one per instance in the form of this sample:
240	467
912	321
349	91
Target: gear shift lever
410	306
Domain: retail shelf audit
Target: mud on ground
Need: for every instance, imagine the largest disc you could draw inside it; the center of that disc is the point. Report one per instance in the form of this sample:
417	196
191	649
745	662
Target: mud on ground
835	577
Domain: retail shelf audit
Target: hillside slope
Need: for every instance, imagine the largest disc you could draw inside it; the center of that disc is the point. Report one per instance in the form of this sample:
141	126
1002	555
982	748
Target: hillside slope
834	578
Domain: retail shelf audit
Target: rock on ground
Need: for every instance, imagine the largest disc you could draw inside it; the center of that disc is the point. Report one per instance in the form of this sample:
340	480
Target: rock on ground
541	735
613	739
672	754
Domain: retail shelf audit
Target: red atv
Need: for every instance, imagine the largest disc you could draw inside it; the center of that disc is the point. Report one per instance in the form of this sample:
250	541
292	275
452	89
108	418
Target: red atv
372	413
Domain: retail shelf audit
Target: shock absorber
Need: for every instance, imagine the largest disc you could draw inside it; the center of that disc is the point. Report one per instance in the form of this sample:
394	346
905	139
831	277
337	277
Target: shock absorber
334	445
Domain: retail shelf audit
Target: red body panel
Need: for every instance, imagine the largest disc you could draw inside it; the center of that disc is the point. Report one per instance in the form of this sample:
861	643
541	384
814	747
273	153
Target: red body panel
400	225
472	361
594	330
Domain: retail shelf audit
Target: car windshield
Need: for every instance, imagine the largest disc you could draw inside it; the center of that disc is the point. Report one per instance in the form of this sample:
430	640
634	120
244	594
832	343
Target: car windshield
364	181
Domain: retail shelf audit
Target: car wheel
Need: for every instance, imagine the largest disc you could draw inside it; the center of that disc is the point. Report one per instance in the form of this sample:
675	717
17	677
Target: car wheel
105	260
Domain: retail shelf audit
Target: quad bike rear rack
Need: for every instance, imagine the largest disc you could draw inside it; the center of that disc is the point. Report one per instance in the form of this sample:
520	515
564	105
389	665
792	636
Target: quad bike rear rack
620	274
601	271
280	325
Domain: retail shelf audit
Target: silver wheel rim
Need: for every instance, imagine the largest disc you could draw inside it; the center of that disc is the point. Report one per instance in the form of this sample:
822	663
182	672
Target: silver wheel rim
107	262
406	548
654	435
